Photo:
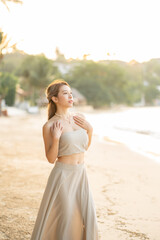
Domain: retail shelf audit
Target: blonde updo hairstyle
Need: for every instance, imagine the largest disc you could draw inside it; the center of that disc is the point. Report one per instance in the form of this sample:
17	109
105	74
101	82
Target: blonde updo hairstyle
53	90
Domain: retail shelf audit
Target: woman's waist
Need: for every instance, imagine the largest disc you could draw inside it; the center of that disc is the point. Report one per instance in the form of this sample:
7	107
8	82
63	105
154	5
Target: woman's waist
76	158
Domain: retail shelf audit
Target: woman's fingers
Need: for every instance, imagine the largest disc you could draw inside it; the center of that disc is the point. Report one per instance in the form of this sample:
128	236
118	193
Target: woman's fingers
57	124
60	125
79	122
78	118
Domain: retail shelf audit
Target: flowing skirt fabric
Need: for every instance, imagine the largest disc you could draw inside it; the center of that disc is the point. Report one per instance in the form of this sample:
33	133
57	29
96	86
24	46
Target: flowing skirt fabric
67	210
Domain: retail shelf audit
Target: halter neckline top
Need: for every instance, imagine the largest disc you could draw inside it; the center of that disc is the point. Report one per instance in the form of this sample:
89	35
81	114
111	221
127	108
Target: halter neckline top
73	142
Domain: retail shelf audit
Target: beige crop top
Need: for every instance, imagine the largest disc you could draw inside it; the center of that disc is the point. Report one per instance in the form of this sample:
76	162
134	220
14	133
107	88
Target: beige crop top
73	142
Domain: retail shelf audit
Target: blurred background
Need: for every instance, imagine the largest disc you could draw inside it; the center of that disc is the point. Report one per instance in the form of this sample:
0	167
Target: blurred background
107	50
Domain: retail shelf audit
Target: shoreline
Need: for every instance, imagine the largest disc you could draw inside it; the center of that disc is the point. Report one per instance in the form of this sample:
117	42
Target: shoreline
151	155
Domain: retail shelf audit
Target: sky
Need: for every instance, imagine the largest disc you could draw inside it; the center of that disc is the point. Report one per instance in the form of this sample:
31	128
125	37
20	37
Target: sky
126	29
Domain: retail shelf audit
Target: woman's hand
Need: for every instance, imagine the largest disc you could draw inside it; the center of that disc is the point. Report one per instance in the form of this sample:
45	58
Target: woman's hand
56	129
82	122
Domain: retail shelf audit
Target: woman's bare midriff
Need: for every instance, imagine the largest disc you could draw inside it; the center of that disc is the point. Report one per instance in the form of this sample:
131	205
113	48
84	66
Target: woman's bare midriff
75	158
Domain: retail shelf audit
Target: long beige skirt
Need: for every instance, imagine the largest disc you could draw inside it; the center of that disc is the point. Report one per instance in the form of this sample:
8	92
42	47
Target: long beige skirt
67	210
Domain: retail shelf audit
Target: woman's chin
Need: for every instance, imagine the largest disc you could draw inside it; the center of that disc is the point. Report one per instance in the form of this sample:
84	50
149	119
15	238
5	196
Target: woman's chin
70	105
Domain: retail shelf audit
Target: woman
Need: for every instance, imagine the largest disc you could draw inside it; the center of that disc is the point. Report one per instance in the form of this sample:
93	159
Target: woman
67	210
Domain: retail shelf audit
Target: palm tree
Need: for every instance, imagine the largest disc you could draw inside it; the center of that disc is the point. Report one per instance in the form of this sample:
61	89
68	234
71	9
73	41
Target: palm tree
14	1
5	43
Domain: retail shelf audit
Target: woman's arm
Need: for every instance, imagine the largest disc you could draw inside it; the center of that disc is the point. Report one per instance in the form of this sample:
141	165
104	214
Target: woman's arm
51	144
89	132
51	135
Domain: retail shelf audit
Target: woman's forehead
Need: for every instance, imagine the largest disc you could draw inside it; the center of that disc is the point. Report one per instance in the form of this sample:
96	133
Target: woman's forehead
65	87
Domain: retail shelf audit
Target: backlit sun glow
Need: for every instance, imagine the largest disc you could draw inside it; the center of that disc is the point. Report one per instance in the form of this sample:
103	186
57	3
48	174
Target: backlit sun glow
103	29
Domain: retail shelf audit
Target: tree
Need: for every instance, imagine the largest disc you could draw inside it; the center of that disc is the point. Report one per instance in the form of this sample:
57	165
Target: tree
151	78
4	41
135	88
36	72
12	61
101	84
7	88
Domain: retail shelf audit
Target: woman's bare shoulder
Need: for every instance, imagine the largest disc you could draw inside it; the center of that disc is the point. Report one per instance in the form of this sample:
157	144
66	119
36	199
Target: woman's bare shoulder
49	123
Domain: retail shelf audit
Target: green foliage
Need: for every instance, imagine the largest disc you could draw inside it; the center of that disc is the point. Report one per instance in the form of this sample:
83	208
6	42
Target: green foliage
101	83
134	86
8	87
3	85
116	82
36	73
151	73
86	79
37	70
11	62
151	93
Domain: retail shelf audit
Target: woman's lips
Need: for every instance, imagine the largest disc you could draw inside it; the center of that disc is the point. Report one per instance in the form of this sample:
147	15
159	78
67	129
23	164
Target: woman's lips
71	101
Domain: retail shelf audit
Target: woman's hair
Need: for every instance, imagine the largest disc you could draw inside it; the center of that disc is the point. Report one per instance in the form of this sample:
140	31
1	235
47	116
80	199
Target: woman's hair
53	90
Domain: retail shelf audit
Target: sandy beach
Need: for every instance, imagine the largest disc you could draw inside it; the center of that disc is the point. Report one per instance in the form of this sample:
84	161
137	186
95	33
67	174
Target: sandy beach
125	184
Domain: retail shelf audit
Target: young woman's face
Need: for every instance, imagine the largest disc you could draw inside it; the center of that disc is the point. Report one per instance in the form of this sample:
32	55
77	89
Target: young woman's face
65	97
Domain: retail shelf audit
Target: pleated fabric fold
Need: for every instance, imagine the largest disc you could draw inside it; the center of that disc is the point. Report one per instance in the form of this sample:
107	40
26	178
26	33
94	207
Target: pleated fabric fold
67	210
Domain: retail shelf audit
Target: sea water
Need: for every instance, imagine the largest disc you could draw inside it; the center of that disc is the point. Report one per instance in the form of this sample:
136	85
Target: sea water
138	128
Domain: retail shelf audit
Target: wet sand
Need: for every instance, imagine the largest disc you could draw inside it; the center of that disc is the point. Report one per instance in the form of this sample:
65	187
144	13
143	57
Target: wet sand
125	185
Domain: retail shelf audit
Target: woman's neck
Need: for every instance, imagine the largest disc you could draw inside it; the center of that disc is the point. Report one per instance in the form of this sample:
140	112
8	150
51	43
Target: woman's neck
62	113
